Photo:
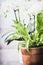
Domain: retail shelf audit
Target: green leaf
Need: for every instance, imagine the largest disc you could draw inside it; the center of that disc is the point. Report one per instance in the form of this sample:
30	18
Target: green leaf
19	46
9	41
40	33
8	36
39	21
7	33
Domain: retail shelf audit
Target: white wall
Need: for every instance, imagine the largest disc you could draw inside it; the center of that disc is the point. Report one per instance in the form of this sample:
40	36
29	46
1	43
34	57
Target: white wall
10	52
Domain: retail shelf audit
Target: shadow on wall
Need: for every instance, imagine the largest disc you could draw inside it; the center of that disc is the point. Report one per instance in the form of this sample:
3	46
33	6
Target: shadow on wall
0	47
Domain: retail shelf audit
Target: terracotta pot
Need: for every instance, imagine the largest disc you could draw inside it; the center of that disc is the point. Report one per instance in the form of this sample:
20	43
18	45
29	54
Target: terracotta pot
36	55
33	57
25	56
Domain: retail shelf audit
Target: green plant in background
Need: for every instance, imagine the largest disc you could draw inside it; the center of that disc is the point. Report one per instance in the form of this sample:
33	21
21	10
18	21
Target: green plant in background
34	39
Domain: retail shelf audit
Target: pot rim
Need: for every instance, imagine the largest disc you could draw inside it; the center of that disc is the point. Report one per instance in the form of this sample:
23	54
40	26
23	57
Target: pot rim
32	47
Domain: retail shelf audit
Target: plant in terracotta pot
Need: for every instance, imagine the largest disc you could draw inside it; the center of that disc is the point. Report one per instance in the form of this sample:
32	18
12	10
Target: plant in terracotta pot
32	43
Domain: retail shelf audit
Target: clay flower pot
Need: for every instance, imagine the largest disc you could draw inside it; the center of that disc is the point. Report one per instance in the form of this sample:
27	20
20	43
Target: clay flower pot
25	56
36	55
33	57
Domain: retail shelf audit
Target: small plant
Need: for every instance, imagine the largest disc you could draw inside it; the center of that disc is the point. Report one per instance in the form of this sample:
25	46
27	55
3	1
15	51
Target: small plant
34	39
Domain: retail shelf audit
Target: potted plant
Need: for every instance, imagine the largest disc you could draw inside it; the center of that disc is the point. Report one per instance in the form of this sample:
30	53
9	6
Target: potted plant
32	45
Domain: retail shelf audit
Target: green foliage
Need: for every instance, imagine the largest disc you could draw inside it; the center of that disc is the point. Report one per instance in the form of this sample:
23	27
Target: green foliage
38	36
35	39
40	25
40	22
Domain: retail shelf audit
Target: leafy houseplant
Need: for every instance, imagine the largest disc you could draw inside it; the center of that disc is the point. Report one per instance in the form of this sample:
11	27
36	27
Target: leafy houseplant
32	45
